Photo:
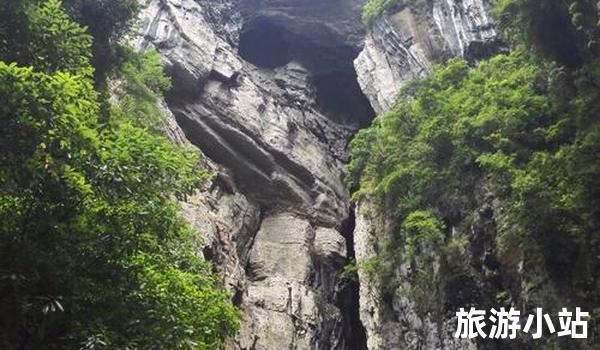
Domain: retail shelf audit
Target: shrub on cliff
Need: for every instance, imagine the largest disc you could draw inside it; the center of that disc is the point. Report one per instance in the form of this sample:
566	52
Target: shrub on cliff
523	129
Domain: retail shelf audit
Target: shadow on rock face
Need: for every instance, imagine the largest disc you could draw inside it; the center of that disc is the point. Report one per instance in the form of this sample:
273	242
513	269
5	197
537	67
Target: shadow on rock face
338	95
265	45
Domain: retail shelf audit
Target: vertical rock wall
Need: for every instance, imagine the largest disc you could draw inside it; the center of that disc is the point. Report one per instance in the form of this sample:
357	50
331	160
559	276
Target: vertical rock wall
407	41
271	91
403	44
268	92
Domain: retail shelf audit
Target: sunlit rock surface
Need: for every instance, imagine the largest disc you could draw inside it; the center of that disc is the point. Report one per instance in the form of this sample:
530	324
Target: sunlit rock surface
407	42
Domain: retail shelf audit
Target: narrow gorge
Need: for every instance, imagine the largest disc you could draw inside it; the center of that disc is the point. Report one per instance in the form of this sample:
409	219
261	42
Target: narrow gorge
300	174
272	92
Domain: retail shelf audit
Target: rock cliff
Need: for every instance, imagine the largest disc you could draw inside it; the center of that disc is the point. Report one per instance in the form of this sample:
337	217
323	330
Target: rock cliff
404	43
268	92
408	40
271	91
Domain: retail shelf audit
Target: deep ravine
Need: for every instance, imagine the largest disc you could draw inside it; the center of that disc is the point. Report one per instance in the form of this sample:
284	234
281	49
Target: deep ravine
348	297
272	93
336	174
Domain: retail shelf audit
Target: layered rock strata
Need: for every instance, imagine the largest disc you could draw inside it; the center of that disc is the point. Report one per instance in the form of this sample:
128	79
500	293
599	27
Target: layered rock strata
267	91
408	40
271	91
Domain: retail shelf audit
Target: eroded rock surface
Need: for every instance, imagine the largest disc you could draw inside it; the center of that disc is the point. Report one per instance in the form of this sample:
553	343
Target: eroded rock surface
405	43
280	124
394	321
408	41
271	91
267	91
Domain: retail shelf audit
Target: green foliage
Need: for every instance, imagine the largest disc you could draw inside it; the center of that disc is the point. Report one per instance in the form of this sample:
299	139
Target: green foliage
13	30
374	8
186	307
524	130
375	269
441	126
371	267
143	83
93	251
31	26
145	72
562	31
424	235
350	271
107	21
70	49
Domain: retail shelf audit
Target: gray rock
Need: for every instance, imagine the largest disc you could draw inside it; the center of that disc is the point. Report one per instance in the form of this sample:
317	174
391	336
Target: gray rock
282	248
268	91
265	125
397	324
278	305
329	244
276	145
406	44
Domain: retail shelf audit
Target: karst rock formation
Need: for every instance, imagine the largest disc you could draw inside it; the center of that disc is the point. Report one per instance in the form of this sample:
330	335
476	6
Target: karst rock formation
271	92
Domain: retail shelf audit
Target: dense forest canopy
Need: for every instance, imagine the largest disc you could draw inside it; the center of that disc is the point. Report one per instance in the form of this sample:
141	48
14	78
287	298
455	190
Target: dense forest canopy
93	252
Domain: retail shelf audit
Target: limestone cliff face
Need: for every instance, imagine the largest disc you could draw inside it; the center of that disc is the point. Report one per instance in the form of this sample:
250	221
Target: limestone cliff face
403	44
408	40
266	90
271	91
394	322
243	96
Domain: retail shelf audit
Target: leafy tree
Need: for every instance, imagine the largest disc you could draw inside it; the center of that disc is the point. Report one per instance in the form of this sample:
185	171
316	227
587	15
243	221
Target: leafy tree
142	82
28	30
106	20
563	31
93	253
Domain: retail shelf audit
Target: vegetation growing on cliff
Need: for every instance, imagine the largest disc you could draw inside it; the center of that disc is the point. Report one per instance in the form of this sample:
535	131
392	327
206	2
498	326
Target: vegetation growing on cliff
93	253
514	140
373	8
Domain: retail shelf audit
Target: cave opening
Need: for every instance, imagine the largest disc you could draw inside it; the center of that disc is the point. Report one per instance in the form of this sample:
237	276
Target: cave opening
332	74
265	45
338	96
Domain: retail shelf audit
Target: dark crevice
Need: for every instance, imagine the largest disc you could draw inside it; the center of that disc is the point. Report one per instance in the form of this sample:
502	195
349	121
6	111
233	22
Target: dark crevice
354	336
208	253
338	96
347	230
238	297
